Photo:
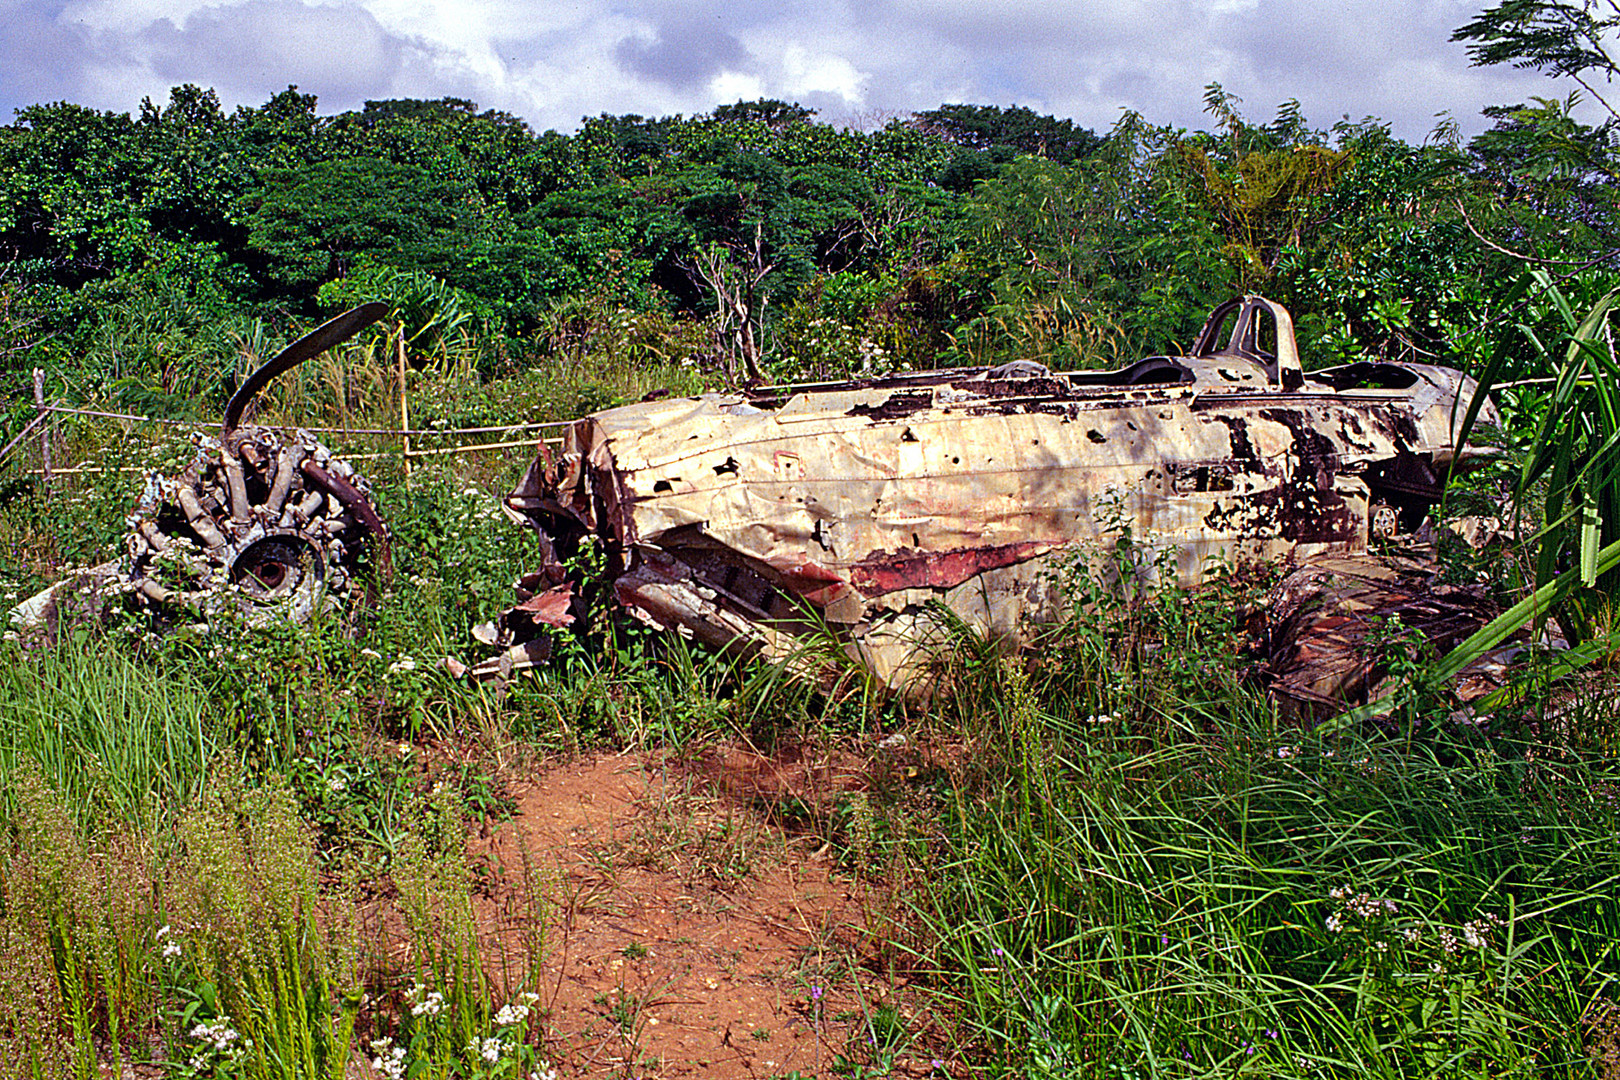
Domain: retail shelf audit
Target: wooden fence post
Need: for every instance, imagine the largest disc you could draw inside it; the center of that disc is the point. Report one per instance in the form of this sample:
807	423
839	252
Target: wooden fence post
404	405
45	429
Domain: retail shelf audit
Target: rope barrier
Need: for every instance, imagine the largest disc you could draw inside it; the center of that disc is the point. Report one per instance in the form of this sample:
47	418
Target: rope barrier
470	448
536	426
467	448
21	435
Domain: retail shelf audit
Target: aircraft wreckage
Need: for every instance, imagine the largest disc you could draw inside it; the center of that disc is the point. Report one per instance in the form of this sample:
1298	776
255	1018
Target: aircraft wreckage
762	520
755	521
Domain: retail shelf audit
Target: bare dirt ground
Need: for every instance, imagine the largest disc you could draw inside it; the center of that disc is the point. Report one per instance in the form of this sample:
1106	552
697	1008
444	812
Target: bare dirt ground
692	931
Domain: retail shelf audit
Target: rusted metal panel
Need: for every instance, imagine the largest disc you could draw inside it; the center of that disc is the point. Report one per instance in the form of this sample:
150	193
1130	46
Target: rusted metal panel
724	515
1332	627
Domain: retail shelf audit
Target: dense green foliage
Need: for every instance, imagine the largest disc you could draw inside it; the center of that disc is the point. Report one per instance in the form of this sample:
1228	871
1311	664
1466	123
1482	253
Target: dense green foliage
962	233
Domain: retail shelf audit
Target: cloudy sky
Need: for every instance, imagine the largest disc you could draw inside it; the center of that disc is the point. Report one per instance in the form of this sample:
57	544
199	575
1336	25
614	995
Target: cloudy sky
857	61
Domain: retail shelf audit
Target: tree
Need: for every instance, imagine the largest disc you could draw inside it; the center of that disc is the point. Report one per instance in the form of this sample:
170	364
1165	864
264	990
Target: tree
193	170
307	225
281	132
68	191
1265	186
774	114
1016	130
1097	262
1555	37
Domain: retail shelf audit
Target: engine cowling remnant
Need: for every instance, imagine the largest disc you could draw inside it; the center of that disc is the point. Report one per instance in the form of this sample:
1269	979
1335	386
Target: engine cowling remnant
753	521
1331	627
271	520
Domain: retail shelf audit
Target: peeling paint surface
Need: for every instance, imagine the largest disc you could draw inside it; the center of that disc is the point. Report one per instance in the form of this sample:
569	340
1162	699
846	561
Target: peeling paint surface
746	519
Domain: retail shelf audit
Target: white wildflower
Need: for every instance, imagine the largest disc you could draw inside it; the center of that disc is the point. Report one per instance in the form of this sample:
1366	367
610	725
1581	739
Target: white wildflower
1476	933
390	1059
430	1005
511	1013
219	1037
391	1064
491	1049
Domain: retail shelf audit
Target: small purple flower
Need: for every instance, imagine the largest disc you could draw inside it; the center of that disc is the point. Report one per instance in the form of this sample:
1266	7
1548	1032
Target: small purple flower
1164	939
997	950
815	993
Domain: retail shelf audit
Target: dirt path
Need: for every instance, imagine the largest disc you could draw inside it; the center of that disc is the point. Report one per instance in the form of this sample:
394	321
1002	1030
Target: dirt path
689	935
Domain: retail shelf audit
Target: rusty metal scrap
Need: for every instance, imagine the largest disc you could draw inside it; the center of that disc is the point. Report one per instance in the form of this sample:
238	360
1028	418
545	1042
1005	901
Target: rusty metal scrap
1331	627
749	520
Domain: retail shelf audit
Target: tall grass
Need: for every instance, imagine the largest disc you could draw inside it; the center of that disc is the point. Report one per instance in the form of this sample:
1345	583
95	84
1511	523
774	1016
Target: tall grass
116	739
1143	872
1186	910
216	950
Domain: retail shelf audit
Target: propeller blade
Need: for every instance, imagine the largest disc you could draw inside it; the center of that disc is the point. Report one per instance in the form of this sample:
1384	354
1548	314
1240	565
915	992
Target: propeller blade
318	340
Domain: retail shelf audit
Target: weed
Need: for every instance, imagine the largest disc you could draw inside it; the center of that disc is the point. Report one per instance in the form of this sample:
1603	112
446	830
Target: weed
121	743
623	1009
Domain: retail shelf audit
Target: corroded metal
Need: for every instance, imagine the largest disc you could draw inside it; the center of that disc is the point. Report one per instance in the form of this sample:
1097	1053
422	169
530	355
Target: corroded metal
1331	628
750	521
271	516
265	521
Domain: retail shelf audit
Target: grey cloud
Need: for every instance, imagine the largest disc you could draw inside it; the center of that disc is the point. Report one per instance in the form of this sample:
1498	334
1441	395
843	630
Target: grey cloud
1132	84
729	13
685	55
1084	59
1333	44
1339	57
43	58
340	53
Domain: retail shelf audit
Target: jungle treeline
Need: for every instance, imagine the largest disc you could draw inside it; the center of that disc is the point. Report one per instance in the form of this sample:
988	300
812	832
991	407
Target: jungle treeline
761	241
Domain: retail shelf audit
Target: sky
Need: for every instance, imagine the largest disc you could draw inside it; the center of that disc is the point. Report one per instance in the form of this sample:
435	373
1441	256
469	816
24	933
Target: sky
858	62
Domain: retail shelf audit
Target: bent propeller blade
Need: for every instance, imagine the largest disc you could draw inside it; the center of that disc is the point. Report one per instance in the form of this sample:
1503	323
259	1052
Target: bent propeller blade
318	340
